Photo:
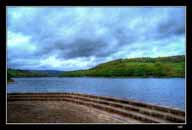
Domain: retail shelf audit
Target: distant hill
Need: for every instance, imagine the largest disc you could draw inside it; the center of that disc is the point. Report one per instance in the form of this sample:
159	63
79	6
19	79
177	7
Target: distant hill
32	73
172	66
49	73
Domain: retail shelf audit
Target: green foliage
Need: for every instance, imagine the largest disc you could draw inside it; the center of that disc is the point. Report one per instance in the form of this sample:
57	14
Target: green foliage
23	73
136	67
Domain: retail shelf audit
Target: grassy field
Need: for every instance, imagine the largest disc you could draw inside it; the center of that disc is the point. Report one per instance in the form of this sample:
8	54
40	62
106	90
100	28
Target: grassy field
173	66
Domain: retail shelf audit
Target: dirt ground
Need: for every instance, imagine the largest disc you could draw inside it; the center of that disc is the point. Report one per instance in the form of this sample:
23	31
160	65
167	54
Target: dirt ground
56	112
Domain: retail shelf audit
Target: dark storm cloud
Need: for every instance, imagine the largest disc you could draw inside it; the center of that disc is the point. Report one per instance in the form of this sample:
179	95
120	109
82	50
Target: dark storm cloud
82	37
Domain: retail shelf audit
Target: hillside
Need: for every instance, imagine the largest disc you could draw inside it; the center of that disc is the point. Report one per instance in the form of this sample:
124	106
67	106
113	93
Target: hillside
173	66
23	73
47	73
32	73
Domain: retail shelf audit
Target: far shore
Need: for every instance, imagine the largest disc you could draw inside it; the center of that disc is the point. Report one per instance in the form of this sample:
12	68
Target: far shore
10	81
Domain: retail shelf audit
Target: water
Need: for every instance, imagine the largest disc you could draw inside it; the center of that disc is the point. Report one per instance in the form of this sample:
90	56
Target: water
161	91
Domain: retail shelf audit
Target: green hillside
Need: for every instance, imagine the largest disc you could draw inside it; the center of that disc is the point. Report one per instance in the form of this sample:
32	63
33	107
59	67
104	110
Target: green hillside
23	73
173	66
15	73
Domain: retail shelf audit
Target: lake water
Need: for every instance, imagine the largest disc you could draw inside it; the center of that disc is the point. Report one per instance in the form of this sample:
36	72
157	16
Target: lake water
160	91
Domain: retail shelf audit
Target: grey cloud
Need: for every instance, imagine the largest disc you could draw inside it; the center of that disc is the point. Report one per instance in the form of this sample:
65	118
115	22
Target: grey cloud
86	48
173	24
172	28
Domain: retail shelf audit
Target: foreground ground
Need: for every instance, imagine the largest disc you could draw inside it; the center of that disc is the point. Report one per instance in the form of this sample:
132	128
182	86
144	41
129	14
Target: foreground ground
82	108
56	112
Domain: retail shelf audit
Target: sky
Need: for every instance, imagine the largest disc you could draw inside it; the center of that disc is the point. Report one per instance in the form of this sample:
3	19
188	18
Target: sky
74	38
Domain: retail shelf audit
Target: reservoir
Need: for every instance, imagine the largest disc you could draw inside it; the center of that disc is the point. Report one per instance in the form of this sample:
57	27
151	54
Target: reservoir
160	91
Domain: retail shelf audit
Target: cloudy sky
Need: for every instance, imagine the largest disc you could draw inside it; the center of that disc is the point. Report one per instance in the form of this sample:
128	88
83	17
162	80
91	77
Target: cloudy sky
72	38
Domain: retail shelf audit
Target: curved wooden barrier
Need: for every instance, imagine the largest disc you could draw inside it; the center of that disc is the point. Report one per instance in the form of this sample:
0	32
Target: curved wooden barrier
143	112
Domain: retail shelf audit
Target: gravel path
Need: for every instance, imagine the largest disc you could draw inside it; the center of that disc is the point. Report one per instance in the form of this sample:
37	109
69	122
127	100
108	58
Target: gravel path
56	112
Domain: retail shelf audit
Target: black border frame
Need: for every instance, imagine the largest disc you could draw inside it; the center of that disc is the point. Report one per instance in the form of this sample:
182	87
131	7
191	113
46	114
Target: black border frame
97	2
4	3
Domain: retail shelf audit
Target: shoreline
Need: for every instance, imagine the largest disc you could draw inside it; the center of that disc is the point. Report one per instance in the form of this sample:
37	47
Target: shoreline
10	81
97	77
